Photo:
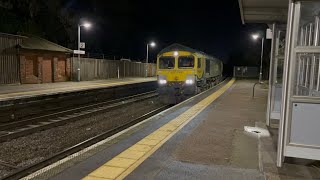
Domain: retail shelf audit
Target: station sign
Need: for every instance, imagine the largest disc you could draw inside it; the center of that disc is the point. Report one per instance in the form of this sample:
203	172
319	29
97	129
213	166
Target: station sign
82	45
269	34
78	52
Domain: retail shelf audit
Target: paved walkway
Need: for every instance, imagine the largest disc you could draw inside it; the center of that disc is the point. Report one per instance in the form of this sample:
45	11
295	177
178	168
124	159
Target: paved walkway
214	145
26	90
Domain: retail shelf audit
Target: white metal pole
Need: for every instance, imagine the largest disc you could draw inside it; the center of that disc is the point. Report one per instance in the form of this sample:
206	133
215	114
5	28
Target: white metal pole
78	53
118	72
288	49
271	73
147	60
260	76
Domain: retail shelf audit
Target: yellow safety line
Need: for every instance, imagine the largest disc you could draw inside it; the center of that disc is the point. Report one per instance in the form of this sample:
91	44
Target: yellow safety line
126	162
68	88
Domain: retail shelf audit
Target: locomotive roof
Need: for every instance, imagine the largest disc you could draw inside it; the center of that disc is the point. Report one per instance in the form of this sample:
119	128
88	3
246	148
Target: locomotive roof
180	47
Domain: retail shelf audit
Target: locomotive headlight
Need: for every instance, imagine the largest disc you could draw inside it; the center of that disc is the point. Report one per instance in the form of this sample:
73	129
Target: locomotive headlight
190	79
162	81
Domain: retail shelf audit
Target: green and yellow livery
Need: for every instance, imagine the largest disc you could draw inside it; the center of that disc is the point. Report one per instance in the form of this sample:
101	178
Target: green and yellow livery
183	72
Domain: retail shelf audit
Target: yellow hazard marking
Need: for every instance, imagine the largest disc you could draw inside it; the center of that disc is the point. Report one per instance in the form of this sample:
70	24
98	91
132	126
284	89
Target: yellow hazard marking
67	89
126	162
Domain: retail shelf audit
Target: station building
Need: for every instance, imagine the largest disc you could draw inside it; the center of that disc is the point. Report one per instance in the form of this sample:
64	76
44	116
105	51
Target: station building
28	59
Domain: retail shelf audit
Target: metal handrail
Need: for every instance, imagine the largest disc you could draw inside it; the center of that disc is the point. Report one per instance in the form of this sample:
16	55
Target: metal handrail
254	86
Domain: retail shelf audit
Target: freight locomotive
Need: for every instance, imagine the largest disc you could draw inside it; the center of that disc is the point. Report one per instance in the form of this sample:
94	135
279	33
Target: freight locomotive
183	72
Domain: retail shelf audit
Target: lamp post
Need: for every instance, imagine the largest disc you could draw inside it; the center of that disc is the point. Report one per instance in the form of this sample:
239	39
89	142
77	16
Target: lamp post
255	37
152	44
86	25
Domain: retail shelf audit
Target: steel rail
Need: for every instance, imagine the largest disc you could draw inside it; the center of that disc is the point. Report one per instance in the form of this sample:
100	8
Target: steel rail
26	127
32	168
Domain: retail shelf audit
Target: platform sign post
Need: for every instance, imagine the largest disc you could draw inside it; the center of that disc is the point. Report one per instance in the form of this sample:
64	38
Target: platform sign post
81	45
78	52
79	29
152	44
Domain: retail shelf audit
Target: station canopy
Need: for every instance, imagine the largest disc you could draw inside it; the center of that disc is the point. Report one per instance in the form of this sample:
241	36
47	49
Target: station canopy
263	11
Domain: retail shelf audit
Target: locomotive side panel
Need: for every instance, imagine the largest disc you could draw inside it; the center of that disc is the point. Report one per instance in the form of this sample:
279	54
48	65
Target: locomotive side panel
213	68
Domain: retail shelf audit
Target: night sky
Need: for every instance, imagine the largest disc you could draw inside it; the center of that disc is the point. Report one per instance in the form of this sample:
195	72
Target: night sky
123	27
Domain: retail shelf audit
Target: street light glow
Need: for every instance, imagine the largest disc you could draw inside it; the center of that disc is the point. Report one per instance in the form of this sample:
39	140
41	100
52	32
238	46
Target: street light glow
87	25
255	36
152	44
175	53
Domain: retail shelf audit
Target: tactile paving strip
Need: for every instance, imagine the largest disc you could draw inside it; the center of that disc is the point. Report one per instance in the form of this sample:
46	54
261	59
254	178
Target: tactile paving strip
127	161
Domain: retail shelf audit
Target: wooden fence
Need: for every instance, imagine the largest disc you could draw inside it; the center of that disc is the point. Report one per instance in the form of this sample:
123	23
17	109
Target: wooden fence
9	61
9	69
93	69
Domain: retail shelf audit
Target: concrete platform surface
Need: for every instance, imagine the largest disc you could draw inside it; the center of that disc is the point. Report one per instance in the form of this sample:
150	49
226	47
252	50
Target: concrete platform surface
213	145
202	138
26	90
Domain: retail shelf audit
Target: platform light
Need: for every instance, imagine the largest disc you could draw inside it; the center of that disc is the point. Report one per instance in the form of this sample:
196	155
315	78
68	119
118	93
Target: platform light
87	25
162	81
176	53
153	44
255	36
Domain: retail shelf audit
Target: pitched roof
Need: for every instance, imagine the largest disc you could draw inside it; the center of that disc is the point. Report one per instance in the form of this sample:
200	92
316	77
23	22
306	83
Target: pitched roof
180	47
37	43
262	11
11	35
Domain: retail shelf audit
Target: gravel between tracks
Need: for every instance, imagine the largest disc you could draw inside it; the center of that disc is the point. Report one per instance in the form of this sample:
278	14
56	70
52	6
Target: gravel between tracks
35	147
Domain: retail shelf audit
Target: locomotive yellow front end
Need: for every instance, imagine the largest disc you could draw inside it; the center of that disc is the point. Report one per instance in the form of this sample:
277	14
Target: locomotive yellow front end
177	76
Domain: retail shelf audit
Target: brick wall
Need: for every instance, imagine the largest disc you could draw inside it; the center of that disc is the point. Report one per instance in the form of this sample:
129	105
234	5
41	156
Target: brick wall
61	70
47	75
38	67
29	69
68	69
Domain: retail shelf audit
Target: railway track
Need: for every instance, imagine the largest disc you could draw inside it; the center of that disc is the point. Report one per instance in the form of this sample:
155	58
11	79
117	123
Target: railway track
17	129
32	168
25	171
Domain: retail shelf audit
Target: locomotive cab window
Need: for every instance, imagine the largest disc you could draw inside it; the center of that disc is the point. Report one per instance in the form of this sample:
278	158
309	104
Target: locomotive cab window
166	62
186	62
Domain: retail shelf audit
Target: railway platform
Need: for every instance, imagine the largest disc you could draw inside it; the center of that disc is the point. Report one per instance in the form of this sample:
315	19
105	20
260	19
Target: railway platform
12	92
218	134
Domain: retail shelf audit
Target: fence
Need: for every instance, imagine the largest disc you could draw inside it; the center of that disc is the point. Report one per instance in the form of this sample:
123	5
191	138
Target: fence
9	69
245	72
92	69
9	62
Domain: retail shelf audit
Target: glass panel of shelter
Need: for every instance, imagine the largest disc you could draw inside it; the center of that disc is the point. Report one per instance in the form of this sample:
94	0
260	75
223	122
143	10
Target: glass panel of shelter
279	50
279	55
307	79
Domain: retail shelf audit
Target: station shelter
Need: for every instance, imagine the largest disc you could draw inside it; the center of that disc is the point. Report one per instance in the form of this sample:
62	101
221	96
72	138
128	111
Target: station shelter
294	80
